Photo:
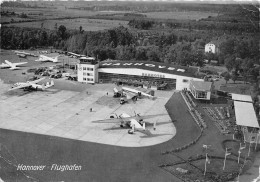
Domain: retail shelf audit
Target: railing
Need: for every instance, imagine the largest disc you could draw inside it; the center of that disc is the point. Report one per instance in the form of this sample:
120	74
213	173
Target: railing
194	113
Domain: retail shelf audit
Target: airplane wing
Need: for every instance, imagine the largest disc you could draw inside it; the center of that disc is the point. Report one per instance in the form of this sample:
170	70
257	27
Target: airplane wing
118	120
16	64
9	63
3	65
111	120
36	81
129	95
42	58
13	65
146	116
151	116
21	86
14	68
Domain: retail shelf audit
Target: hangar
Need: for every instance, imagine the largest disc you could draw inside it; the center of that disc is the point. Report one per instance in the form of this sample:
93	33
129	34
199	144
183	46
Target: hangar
148	74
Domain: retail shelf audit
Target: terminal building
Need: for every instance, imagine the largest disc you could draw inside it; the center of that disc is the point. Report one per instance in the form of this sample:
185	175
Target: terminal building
146	74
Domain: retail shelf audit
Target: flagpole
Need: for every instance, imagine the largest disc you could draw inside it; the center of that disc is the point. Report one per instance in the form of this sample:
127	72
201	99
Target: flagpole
225	160
226	154
257	139
205	165
239	152
250	142
206	160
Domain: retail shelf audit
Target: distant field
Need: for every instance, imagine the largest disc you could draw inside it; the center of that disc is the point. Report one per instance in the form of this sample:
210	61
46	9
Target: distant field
189	15
87	24
44	13
41	13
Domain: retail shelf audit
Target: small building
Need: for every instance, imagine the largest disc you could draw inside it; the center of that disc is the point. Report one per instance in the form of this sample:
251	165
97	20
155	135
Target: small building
200	90
213	47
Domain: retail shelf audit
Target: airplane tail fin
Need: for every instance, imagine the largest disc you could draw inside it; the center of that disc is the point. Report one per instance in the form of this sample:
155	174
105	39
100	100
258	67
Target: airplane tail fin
49	84
8	62
52	83
133	128
154	125
39	59
115	90
56	59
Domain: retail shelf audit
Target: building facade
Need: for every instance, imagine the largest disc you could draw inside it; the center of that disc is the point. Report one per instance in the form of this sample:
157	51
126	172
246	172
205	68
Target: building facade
152	75
87	70
212	47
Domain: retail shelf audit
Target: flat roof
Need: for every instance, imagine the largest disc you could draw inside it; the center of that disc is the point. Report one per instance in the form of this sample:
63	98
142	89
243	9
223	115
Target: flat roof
200	85
151	66
87	58
240	97
245	114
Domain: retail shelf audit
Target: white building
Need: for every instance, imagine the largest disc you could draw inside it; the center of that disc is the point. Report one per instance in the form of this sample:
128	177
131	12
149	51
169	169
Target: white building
141	73
87	70
212	47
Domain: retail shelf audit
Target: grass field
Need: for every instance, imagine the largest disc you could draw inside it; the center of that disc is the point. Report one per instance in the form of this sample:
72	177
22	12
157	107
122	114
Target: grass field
87	24
45	13
191	15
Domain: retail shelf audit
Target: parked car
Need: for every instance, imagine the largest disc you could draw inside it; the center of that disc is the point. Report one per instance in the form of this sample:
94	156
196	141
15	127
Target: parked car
58	75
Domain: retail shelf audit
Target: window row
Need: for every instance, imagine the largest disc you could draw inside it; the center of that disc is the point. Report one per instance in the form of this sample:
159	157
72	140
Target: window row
89	69
88	74
88	79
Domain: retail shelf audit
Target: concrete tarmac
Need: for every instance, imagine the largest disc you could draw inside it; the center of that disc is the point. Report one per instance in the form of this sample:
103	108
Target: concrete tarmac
67	114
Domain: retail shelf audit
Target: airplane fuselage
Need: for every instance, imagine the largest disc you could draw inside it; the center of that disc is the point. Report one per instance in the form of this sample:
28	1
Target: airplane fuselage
133	123
33	86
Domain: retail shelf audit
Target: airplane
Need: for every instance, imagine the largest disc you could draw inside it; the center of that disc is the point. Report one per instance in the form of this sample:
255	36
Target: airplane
127	94
46	58
75	55
32	85
23	54
11	66
136	122
136	92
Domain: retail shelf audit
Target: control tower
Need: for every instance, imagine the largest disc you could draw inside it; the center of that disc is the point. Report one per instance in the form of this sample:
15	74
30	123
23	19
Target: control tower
88	70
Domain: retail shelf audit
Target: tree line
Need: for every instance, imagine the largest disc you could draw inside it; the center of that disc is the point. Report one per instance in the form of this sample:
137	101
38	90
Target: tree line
25	38
122	44
205	24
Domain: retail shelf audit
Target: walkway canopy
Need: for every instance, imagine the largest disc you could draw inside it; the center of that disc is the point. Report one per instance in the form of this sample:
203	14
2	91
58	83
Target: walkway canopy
245	114
243	98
